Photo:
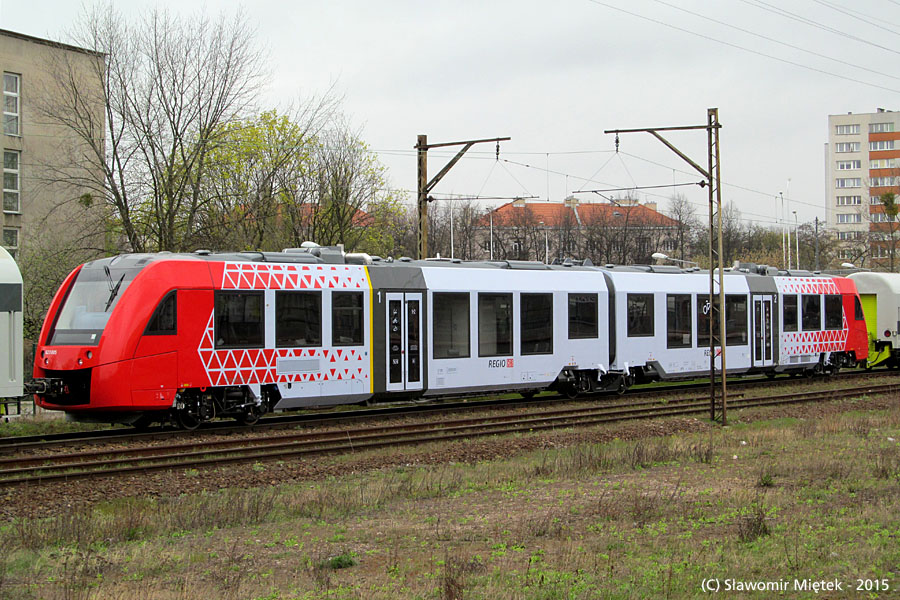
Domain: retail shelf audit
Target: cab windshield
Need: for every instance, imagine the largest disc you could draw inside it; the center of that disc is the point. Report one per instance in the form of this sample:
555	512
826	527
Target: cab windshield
89	303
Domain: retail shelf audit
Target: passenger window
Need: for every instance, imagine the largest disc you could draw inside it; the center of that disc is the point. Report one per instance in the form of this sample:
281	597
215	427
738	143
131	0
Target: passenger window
298	319
164	320
640	315
678	321
582	316
812	313
347	318
857	310
537	323
494	324
239	319
735	320
451	325
834	312
789	312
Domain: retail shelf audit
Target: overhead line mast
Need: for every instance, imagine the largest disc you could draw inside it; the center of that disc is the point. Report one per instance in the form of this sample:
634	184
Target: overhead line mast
425	186
713	177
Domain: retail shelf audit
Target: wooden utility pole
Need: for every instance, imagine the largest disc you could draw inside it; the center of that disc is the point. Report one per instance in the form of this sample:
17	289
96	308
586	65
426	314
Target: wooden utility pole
713	180
425	186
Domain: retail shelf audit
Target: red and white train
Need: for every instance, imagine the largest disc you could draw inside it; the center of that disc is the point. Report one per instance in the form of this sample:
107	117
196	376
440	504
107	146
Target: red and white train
189	337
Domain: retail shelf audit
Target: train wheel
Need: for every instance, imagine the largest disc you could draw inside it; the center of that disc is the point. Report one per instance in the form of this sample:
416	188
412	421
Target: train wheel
186	420
527	395
571	391
249	417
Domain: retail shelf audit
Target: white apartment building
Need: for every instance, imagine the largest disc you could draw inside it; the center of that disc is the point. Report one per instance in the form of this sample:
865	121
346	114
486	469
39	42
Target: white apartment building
862	162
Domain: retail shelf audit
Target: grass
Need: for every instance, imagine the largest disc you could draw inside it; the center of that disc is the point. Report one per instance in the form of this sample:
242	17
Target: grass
44	423
783	499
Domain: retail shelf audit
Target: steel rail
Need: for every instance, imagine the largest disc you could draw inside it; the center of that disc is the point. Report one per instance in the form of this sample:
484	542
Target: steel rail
271	448
42	442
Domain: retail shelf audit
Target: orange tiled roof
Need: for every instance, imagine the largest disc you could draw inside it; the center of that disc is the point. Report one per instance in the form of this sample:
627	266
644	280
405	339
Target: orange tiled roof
556	214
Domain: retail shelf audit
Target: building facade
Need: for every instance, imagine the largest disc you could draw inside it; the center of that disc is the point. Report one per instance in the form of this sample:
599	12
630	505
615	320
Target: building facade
620	232
862	162
33	149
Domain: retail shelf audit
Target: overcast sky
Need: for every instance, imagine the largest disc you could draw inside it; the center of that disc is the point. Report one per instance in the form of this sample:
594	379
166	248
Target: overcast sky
554	75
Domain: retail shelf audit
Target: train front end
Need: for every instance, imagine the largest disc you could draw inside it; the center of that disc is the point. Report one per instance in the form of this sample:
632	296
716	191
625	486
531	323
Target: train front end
80	364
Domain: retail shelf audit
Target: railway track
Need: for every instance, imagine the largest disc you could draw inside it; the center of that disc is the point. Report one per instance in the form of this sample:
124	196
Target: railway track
114	436
198	454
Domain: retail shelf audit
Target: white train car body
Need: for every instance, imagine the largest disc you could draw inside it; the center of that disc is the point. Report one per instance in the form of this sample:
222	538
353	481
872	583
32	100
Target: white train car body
516	328
11	366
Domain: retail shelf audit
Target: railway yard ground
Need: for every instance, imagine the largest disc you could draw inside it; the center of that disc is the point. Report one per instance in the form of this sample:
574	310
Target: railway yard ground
798	495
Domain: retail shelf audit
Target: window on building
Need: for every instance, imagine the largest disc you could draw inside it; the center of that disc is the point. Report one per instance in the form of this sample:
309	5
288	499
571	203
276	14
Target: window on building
11	240
165	318
849	200
847	147
849	218
347	318
239	319
582	316
640	315
298	319
883	163
451	325
789	312
848	182
881	181
11	180
679	325
844	165
834	312
495	324
847	253
846	129
812	312
11	94
881	145
881	127
537	323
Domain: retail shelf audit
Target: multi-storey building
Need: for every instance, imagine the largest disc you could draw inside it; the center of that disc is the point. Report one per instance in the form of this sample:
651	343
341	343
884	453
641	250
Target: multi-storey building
622	232
33	148
862	162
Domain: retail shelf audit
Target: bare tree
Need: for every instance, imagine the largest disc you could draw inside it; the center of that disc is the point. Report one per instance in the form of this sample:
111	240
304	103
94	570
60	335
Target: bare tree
168	85
681	209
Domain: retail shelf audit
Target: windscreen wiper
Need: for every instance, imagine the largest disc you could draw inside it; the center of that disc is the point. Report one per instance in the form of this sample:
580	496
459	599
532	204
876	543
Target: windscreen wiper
113	289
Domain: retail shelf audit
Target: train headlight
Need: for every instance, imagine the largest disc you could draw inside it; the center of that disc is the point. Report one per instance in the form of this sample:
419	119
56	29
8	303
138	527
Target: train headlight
887	333
80	362
90	354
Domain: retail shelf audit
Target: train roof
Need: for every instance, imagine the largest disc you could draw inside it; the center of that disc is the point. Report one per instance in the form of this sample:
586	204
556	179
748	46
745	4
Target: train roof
9	270
335	255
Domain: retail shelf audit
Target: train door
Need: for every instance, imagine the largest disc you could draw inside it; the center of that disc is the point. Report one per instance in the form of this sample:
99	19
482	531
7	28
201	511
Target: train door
404	336
763	354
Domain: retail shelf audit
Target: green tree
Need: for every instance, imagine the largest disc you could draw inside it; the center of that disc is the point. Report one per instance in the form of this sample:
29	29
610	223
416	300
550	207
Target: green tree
889	202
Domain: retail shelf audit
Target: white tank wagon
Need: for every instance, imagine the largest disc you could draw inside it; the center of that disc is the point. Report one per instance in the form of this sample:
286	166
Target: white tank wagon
11	364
